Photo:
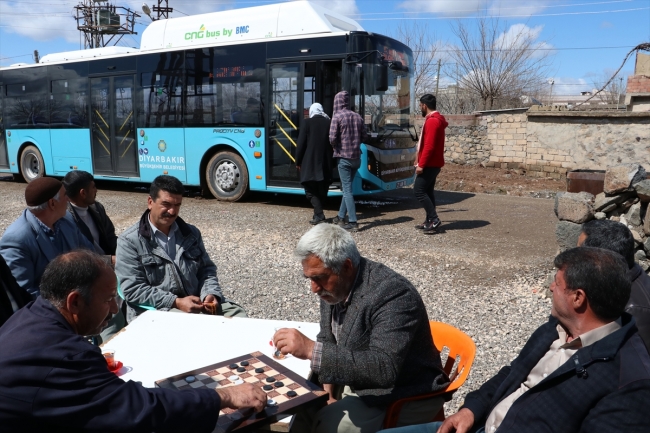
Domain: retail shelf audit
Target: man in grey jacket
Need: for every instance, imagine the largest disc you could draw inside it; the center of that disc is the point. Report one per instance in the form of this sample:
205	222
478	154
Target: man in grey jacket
162	263
375	344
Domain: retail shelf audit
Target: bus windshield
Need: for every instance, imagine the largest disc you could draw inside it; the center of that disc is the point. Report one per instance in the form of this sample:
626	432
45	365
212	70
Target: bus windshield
387	109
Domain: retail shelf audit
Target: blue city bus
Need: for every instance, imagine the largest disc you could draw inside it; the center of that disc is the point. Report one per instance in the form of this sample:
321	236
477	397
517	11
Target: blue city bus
219	106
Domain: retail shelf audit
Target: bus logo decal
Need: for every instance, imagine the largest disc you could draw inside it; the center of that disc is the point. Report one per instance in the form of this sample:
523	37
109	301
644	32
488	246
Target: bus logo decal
205	33
251	144
162	146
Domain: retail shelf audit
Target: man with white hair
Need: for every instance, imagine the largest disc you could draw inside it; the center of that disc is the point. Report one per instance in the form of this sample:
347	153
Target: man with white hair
375	344
40	233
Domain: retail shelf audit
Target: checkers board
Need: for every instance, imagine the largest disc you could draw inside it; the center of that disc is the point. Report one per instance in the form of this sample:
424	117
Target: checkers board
287	390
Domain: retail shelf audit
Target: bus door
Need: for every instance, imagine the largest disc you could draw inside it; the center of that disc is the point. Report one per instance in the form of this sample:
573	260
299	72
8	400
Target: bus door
293	87
4	160
285	106
115	151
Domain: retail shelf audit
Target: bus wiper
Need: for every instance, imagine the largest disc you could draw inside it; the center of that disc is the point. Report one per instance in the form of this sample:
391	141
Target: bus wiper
383	133
414	138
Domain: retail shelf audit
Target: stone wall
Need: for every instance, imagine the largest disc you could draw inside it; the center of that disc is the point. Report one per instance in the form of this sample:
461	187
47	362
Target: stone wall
548	143
466	140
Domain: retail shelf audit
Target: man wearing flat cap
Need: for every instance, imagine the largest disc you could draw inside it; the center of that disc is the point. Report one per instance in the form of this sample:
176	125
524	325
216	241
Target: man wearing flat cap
40	234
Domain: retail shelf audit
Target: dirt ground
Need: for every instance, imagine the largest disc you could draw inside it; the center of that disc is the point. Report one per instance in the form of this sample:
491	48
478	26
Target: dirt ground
467	178
494	221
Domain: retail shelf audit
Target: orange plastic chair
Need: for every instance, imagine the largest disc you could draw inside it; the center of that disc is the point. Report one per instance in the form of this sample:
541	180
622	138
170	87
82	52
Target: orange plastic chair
462	348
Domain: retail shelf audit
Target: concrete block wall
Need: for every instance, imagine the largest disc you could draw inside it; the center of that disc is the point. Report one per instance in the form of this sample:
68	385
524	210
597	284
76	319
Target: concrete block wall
507	134
543	162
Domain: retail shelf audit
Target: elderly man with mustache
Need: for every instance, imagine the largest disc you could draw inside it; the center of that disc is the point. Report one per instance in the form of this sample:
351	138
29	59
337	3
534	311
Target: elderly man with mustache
162	263
374	345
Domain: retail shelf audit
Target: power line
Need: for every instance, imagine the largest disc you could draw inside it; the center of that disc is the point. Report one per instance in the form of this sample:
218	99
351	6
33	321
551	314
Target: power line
500	9
527	49
506	16
40	28
15	57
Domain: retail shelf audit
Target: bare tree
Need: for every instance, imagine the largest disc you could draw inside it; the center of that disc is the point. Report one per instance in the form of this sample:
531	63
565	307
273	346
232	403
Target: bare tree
456	100
613	90
424	44
497	63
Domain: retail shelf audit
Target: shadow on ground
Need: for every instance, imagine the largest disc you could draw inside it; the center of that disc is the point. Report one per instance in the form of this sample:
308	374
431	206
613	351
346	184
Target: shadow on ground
462	225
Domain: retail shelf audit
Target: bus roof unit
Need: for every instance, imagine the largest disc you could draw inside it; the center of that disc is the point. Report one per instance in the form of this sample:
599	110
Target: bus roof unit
293	18
87	54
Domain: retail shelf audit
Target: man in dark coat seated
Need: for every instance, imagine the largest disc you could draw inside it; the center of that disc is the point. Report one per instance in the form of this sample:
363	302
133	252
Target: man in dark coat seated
585	370
614	236
53	380
374	346
12	296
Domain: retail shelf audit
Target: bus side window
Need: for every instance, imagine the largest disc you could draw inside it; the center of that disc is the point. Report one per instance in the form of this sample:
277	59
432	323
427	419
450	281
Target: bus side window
161	87
68	107
26	108
224	86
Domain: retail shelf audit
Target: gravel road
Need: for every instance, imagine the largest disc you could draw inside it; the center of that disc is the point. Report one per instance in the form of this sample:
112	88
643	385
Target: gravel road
483	273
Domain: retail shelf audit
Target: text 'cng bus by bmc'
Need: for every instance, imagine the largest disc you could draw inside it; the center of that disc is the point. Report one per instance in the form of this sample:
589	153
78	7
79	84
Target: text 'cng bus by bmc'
216	100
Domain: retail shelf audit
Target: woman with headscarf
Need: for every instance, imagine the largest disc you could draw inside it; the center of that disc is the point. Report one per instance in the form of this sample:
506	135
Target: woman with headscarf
314	159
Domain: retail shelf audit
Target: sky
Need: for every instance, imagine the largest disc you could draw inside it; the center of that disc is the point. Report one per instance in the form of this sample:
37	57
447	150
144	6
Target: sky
585	39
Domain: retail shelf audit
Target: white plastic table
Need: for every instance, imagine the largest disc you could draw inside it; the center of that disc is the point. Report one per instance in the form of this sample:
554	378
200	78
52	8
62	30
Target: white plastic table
160	344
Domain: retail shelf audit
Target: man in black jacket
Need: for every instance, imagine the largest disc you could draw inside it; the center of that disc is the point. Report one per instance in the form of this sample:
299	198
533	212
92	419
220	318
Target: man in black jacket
53	380
614	236
12	296
585	370
90	217
89	214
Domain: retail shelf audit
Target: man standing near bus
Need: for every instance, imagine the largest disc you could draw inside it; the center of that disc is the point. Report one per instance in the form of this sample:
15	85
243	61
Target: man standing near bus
347	131
162	263
430	159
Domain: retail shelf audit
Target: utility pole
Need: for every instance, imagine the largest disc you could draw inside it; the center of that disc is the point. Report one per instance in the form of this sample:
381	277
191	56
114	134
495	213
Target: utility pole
550	95
620	89
457	84
162	12
438	78
102	24
37	58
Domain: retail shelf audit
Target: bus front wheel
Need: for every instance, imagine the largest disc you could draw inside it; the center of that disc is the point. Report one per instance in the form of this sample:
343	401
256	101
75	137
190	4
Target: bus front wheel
227	176
31	164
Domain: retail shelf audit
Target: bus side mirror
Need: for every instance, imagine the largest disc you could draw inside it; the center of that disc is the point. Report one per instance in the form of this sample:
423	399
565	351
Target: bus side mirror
381	77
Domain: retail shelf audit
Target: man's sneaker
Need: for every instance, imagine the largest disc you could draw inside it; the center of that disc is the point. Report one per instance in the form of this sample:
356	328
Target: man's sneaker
431	226
421	226
338	221
351	227
317	220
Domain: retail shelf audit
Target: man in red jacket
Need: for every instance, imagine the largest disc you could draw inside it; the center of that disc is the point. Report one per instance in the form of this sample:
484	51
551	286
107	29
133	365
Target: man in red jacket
430	159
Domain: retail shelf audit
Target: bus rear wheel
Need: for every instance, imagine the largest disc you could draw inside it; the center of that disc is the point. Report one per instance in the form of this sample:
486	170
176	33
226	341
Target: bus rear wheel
31	164
227	176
